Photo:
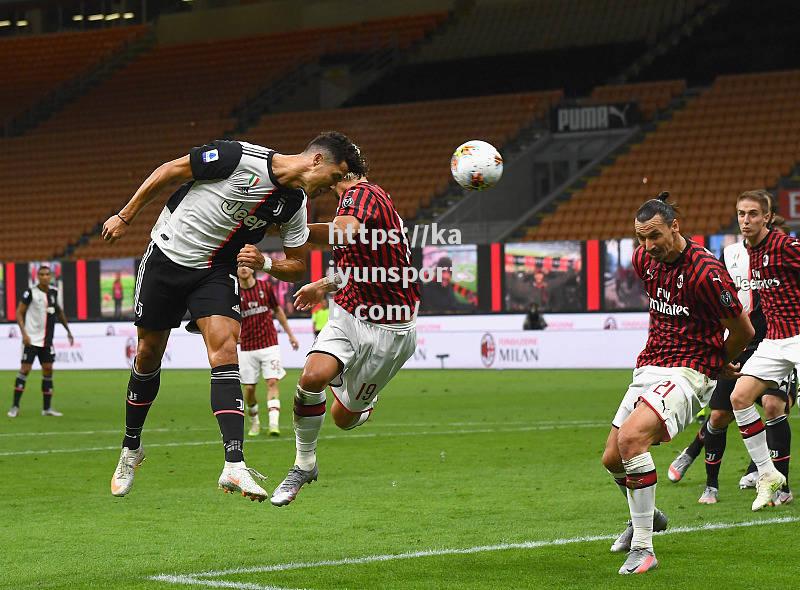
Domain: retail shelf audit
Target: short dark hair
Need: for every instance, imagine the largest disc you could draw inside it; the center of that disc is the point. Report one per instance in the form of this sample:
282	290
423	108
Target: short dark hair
658	206
342	149
43	267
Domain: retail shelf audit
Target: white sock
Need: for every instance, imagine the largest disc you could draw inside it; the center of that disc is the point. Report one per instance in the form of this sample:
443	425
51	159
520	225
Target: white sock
619	479
641	480
274	411
755	438
252	411
309	412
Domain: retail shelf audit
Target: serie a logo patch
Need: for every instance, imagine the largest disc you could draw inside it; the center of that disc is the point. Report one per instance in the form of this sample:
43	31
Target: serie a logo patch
210	156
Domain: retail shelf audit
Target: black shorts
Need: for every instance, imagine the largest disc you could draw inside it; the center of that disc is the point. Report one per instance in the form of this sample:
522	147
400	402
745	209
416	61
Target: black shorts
165	290
45	354
721	398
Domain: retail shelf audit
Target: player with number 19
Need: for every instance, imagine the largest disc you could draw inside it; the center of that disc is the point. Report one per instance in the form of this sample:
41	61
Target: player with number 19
692	302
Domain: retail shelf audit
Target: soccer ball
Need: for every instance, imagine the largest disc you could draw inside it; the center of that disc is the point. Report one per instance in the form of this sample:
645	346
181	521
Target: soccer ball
476	165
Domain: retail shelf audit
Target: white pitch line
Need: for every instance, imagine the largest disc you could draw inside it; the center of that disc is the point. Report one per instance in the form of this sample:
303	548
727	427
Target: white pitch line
377	423
328	437
195	579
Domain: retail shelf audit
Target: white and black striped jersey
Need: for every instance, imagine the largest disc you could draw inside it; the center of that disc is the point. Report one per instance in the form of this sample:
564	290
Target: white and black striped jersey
40	316
232	200
736	258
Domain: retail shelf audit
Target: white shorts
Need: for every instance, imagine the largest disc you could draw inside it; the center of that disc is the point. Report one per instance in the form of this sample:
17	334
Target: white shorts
266	361
371	355
774	359
675	394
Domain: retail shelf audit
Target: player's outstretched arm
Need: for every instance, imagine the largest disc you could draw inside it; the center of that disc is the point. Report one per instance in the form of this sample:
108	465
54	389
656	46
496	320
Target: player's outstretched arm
313	293
343	230
176	170
63	319
291	269
740	333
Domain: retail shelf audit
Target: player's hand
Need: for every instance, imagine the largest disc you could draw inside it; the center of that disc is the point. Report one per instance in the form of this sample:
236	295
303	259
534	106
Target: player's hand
293	341
308	296
26	340
730	371
113	229
250	256
70	338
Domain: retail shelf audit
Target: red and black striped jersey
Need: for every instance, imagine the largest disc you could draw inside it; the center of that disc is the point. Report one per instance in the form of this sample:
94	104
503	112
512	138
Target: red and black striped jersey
367	287
775	274
688	299
258	329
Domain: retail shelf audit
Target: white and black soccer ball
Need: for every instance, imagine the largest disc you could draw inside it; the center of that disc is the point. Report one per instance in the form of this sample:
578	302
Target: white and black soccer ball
476	165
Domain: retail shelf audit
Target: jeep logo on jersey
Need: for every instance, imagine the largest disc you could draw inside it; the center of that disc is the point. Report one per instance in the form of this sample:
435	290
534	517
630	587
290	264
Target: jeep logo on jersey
240	213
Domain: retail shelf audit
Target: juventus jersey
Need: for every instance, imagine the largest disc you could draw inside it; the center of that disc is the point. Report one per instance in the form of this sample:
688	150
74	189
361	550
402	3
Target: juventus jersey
40	317
232	200
737	260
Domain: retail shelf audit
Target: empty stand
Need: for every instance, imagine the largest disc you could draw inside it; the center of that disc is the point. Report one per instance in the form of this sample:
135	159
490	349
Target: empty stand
408	146
742	133
651	96
32	67
86	161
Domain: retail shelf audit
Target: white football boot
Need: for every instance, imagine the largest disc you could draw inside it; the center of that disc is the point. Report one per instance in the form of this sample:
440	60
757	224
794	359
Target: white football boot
255	426
122	480
766	486
296	478
238	477
13	412
51	412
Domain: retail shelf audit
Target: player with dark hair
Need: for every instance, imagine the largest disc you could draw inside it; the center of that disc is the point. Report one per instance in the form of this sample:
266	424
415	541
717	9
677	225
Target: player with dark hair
232	192
692	302
774	263
776	402
36	318
371	332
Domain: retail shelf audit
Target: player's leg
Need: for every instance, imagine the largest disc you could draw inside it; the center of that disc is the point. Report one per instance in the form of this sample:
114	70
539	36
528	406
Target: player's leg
273	372
345	419
273	406
716	440
642	429
779	438
752	429
612	460
19	382
309	413
143	386
220	334
47	386
249	366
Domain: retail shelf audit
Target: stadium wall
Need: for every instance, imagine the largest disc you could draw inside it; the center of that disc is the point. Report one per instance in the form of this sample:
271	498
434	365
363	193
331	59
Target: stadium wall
283	16
572	341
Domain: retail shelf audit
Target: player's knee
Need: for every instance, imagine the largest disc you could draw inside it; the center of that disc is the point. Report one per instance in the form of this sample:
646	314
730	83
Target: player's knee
631	442
25	370
148	357
313	379
720	419
611	459
774	406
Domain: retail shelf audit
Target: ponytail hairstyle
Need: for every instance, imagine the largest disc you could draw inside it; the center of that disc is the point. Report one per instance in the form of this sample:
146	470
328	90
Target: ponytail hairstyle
658	206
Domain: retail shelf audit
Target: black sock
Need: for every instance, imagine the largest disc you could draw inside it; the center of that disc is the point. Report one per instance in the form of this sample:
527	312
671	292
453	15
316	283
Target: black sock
19	387
47	392
228	407
142	390
715	441
693	450
779	441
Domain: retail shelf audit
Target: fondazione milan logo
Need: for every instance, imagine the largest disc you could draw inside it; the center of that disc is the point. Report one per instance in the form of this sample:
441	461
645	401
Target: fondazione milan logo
488	350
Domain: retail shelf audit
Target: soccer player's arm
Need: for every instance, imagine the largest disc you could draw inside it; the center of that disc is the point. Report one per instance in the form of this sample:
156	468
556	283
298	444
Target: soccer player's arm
719	293
294	234
22	309
791	253
62	318
355	208
214	161
284	322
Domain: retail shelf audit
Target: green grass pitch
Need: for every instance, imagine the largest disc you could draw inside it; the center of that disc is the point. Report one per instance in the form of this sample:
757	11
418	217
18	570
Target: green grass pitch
505	465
